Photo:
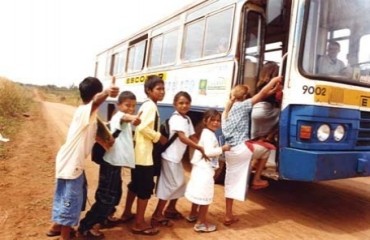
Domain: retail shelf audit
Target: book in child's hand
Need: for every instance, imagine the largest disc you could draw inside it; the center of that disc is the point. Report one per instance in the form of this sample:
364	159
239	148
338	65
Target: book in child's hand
103	135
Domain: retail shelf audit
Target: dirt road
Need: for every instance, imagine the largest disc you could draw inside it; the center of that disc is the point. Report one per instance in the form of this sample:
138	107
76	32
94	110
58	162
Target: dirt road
286	210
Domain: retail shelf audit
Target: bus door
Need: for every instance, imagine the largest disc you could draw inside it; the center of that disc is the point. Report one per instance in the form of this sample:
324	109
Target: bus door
251	45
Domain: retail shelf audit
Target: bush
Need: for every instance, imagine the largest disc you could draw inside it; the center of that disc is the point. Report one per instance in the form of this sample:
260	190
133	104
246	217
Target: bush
14	99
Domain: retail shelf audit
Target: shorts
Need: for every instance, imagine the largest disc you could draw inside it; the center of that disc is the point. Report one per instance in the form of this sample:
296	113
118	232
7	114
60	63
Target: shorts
260	152
69	200
142	181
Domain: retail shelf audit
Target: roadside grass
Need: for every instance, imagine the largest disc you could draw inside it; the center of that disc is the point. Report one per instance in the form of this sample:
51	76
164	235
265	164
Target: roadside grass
63	95
15	102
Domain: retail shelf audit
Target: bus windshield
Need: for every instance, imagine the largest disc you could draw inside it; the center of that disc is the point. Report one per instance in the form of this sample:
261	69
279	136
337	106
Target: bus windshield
335	41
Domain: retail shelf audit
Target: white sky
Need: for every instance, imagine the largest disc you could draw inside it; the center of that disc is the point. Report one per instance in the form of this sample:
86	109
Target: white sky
56	41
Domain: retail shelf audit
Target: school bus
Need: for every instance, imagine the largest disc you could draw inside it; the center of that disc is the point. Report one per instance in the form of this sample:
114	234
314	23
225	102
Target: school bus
209	46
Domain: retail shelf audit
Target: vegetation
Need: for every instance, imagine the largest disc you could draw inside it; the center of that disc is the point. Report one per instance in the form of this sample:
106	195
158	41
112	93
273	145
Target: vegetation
15	101
64	95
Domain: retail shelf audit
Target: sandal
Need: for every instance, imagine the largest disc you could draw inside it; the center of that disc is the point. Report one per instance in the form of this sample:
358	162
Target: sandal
54	233
150	231
92	235
191	219
164	222
173	215
110	223
261	185
127	218
204	228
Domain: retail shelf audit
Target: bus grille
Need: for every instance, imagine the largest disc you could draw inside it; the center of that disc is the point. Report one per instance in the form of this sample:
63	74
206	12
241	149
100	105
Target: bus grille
363	139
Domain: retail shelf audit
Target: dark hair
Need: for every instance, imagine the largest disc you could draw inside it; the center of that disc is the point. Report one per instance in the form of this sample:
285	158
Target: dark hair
151	82
181	94
126	95
209	114
89	87
334	43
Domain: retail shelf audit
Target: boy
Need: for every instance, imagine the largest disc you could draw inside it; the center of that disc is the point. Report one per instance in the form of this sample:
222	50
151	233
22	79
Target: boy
121	154
70	193
142	177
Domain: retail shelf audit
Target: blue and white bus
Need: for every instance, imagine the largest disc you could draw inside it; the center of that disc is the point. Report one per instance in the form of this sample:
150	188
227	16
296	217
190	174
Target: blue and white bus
210	46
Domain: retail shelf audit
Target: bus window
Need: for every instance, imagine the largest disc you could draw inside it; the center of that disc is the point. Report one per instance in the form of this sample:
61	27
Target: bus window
118	63
363	57
208	36
136	54
332	39
252	43
273	52
163	49
194	33
218	31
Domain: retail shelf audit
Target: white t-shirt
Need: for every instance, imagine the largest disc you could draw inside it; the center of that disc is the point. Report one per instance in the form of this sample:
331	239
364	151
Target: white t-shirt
70	160
122	151
211	147
177	149
329	66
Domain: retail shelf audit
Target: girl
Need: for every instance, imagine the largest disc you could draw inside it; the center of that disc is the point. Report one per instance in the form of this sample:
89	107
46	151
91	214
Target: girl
171	184
265	118
200	189
235	128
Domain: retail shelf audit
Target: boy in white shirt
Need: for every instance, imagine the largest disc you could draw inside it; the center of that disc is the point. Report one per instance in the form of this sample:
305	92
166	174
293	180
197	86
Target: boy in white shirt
70	193
121	154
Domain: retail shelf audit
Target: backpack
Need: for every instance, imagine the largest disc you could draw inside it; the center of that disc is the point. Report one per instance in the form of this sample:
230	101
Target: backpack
158	148
98	150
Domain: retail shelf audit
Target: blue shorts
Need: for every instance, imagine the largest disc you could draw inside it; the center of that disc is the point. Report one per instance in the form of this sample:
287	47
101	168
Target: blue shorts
69	199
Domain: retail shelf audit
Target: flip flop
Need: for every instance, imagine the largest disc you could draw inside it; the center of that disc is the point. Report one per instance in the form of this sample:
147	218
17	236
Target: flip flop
164	222
125	219
150	231
173	215
231	221
260	186
53	233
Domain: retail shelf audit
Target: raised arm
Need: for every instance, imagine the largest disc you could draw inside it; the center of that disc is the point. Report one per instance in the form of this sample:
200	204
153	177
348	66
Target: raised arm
267	90
99	98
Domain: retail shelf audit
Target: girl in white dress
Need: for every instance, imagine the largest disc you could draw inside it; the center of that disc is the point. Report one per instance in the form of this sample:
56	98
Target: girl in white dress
171	184
200	188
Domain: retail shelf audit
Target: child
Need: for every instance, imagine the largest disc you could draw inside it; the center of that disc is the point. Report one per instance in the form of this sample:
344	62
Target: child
171	183
265	117
235	128
200	189
142	177
70	192
121	154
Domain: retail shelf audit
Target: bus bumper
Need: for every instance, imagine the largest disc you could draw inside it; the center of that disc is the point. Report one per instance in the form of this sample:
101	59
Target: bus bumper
303	165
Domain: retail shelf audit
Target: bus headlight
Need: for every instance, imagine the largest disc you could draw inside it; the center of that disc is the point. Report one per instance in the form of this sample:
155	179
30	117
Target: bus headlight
323	132
339	133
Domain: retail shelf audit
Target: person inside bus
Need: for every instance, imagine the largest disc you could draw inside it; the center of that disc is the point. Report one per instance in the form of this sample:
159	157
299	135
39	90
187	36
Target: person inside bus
264	125
330	64
235	128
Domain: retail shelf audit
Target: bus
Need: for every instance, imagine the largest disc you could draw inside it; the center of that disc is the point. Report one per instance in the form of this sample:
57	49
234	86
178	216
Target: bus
209	46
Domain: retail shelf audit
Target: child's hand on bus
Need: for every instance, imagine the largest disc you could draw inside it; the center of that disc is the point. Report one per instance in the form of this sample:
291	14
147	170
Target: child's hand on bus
275	85
113	90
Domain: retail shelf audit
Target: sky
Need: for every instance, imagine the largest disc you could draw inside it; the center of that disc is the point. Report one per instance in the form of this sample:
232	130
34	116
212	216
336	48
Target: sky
54	42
